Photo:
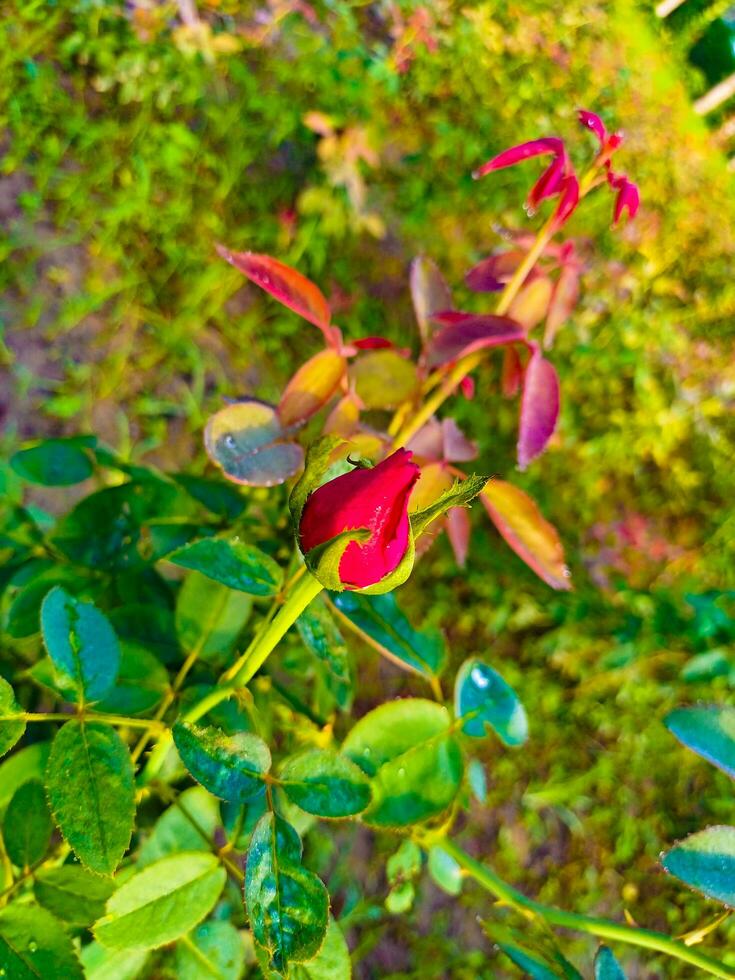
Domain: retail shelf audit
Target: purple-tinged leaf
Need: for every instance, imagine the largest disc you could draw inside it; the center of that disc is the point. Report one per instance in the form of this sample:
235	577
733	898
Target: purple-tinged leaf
539	408
568	201
285	284
465	333
549	183
429	293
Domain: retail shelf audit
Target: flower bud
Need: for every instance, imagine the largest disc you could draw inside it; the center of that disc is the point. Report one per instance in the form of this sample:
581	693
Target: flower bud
372	503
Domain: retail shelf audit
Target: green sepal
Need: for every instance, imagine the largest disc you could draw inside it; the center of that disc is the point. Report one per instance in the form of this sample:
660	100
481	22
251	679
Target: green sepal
460	494
315	468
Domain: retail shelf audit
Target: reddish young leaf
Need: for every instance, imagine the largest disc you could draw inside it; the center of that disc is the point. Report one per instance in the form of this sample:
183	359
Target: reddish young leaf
539	408
534	148
285	284
526	530
429	292
311	387
464	333
512	373
566	294
458	532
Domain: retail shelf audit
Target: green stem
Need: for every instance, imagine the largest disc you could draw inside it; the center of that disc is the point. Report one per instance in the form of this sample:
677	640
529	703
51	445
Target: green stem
147	723
243	670
602	928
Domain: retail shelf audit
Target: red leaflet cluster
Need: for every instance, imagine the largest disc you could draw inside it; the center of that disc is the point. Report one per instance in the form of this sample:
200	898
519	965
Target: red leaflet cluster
559	179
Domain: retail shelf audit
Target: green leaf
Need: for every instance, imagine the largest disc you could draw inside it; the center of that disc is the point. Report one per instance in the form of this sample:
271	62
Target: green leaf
214	951
606	966
72	894
12	724
90	786
106	964
286	904
55	462
27	590
400	898
141	682
460	494
332	962
231	767
233	563
481	693
27	825
405	864
445	871
25	764
381	623
383	378
161	903
187	825
321	636
34	946
326	784
706	861
414	761
709	730
533	950
129	526
210	617
82	644
318	460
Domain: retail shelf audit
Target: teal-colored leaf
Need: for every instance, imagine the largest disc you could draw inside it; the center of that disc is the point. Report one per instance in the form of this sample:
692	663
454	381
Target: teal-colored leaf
415	763
34	946
606	966
218	953
326	784
90	786
380	621
55	462
445	871
321	636
231	767
162	902
481	694
233	563
709	730
706	861
27	825
286	904
82	644
72	894
12	723
247	442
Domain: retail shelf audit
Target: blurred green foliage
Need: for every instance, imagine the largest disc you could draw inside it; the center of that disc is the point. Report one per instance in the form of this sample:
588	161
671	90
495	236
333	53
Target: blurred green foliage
131	145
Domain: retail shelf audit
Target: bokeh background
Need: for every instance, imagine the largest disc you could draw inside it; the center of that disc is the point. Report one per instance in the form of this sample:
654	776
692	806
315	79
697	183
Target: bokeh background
340	137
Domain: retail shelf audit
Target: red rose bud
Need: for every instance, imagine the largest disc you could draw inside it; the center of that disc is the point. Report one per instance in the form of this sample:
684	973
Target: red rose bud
374	500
